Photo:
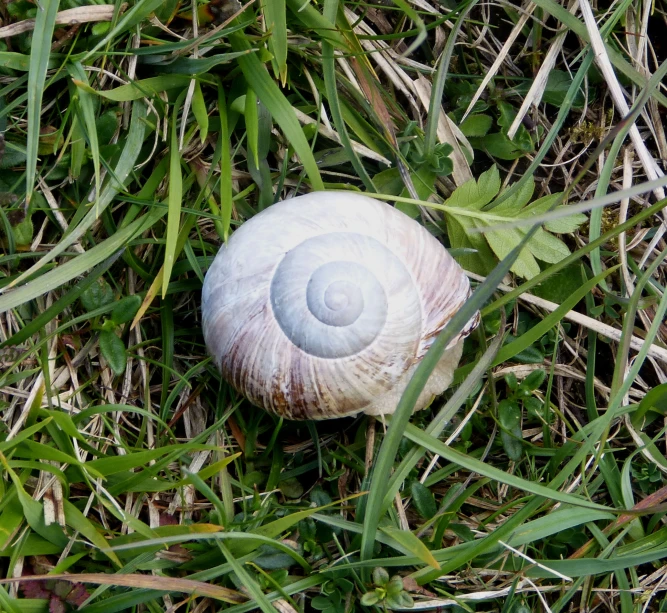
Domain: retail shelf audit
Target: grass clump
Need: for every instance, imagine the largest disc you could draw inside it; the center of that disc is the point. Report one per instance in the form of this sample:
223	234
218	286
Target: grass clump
137	136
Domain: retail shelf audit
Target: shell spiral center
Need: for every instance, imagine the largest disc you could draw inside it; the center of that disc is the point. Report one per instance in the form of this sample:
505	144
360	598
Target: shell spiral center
328	294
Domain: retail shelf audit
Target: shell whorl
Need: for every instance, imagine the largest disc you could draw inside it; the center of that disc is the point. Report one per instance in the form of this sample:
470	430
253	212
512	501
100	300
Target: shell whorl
322	305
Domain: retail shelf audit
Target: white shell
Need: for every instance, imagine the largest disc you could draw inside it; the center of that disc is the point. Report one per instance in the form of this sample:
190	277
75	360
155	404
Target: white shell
322	306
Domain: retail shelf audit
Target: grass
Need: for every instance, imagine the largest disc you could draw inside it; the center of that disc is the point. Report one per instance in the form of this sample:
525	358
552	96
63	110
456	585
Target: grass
137	137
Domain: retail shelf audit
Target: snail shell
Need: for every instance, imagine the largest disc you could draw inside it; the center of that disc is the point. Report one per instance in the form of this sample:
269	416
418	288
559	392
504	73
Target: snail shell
323	305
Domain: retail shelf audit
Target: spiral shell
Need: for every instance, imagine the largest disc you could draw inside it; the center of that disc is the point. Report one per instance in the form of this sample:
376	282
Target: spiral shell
323	305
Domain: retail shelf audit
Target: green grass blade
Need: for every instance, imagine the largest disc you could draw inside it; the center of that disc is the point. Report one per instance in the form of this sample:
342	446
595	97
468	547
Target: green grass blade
451	455
79	265
551	320
61	304
438	88
275	21
440	421
329	66
135	141
401	417
87	117
40	52
226	203
174	199
279	107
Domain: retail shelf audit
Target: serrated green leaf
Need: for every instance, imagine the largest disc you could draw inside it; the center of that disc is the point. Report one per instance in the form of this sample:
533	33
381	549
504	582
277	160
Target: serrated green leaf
461	237
547	247
475	194
518	200
565	225
503	241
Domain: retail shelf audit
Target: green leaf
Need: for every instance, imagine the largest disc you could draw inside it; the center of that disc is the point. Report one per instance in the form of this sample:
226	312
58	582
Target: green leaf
423	499
23	232
40	52
97	295
380	576
225	165
509	414
503	241
113	350
547	247
475	194
86	114
476	125
125	309
468	222
369	599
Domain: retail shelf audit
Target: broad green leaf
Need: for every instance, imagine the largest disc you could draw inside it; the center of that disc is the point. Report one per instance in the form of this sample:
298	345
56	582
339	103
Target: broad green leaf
476	125
113	350
97	295
517	201
461	237
125	309
469	225
509	414
565	225
423	500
